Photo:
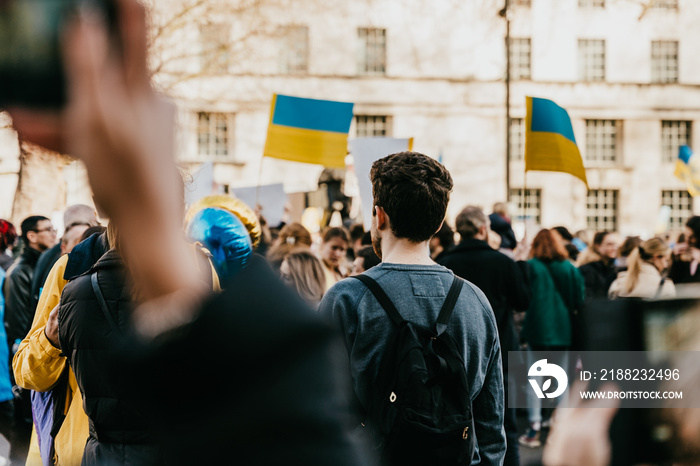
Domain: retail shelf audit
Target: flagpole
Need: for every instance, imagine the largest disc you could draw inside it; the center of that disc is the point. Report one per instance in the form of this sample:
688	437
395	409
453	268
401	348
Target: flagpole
257	189
525	206
506	15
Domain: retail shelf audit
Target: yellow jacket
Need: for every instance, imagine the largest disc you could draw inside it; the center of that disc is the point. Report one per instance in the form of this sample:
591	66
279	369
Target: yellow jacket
38	365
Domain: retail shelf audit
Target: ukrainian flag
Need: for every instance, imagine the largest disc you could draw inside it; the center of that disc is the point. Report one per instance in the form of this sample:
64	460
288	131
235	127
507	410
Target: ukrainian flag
308	130
688	170
550	144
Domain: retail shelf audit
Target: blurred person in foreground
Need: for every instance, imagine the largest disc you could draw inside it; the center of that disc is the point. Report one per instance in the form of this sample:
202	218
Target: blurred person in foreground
597	264
557	292
303	270
645	274
504	282
410	196
256	329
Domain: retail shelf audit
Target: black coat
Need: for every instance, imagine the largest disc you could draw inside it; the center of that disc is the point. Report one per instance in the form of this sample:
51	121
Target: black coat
41	272
18	296
503	281
255	379
113	396
598	277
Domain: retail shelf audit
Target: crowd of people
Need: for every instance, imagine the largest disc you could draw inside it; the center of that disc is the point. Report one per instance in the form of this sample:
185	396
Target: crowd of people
522	297
128	345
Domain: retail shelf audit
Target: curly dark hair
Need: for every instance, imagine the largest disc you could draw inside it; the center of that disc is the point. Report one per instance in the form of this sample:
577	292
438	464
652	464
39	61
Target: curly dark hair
414	190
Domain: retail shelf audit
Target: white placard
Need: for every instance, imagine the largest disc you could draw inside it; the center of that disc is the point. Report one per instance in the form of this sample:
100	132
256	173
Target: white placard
270	197
365	152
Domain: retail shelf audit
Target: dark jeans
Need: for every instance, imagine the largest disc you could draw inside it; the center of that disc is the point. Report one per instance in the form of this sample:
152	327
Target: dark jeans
21	433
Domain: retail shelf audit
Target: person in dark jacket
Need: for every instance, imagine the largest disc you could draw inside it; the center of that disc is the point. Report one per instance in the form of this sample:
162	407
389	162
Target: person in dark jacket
504	282
38	235
500	223
597	264
93	318
76	219
441	242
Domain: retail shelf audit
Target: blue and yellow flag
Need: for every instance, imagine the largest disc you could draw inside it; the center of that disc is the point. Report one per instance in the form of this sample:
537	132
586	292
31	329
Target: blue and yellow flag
688	170
550	144
308	130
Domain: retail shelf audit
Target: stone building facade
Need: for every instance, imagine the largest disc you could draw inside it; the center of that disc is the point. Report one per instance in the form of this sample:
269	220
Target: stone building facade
627	73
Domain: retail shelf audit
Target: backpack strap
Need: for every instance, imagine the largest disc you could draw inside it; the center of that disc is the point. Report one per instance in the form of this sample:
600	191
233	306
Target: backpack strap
393	313
449	305
383	299
103	304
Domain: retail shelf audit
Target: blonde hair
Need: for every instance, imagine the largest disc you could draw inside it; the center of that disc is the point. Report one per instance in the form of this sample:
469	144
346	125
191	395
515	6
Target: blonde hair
643	254
307	275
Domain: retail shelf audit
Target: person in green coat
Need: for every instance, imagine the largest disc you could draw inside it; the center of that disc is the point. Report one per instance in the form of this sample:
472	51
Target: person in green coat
557	290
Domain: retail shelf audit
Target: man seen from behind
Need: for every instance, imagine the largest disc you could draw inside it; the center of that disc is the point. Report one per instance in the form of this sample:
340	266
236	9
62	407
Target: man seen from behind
411	192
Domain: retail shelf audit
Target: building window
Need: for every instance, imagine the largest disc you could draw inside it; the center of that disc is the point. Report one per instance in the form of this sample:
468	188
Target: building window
212	135
214	43
517	136
528	204
371	51
665	4
601	210
520	58
372	126
294	49
591	3
591	60
681	204
664	61
674	134
601	141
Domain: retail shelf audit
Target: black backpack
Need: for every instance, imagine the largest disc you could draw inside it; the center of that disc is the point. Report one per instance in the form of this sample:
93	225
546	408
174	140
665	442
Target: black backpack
419	410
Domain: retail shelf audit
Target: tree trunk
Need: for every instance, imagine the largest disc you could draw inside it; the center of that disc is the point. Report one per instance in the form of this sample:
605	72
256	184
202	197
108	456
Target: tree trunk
41	187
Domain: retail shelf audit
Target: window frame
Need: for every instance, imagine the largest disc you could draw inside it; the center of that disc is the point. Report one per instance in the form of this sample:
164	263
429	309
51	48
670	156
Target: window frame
211	139
604	225
364	119
371	54
293	58
664	66
589	57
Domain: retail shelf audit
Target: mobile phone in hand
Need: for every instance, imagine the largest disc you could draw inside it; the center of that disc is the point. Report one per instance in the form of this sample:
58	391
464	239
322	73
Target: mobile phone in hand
31	65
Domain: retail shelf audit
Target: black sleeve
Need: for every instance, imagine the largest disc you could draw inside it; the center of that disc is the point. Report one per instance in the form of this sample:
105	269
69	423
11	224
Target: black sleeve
252	381
518	285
